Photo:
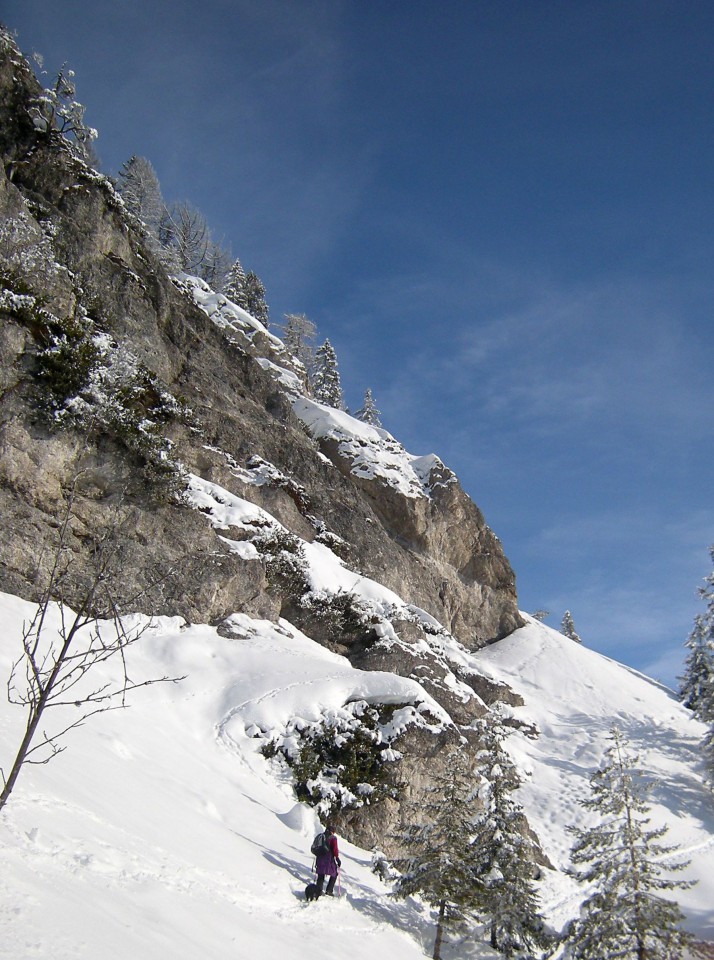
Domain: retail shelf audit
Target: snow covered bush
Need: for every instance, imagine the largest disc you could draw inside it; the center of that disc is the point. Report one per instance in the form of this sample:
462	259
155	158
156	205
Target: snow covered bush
92	382
285	564
340	761
382	868
267	473
341	613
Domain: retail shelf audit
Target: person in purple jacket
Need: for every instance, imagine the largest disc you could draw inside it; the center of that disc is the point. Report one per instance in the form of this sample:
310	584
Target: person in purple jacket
327	862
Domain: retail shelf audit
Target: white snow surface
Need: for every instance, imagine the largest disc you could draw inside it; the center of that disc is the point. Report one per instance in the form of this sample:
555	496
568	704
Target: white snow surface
162	832
373	451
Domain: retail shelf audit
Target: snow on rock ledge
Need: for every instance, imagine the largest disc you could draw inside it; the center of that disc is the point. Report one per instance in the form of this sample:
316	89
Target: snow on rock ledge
372	453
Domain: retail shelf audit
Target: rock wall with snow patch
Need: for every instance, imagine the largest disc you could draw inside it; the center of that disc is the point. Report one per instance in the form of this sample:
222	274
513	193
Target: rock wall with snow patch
154	409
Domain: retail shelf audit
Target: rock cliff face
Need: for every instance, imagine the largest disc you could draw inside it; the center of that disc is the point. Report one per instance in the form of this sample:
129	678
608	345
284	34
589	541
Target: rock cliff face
118	384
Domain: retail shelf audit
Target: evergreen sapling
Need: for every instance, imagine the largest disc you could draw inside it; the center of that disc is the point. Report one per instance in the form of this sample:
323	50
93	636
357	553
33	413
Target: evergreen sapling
326	384
368	412
623	860
505	893
441	859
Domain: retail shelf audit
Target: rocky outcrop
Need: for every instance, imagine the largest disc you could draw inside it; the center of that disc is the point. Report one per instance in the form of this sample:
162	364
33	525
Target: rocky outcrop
215	395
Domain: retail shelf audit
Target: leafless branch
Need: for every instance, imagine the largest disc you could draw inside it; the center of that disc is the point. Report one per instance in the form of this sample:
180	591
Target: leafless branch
57	659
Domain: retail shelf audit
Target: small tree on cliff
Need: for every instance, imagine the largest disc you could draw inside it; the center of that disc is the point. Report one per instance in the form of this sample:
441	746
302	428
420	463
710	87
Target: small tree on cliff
57	113
140	190
568	627
234	287
185	236
326	380
368	412
298	333
256	305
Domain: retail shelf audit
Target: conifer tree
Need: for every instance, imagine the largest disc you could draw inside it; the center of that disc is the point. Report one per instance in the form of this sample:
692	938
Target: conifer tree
326	380
567	627
625	917
441	859
368	412
697	684
255	298
234	287
505	894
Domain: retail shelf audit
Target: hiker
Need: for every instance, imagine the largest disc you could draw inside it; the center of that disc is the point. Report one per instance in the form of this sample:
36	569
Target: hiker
327	861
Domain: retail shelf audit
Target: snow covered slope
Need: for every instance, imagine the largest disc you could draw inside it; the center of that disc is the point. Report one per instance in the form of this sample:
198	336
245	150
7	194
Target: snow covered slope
573	696
162	832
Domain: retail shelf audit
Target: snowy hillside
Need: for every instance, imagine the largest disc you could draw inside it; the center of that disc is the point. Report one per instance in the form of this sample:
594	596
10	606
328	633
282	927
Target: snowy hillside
163	832
573	697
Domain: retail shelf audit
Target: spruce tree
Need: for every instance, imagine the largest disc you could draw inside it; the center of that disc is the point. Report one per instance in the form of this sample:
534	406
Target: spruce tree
624	917
255	298
441	859
234	287
368	412
567	627
504	892
697	684
326	384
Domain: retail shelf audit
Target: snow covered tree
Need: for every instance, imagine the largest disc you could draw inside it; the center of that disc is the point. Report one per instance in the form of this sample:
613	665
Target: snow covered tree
567	627
697	688
234	287
298	333
368	412
697	684
624	861
255	298
441	859
56	112
504	891
140	191
326	384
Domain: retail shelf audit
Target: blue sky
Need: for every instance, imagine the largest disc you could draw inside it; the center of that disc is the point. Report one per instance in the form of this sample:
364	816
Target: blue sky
500	213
